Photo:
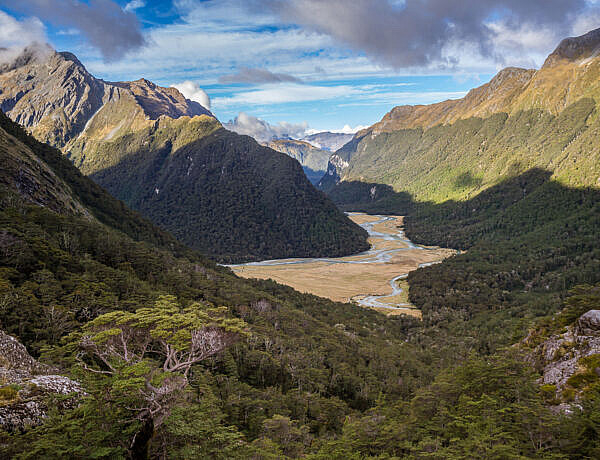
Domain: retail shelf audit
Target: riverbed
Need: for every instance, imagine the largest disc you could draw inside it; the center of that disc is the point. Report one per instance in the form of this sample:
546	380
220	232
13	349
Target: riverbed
372	279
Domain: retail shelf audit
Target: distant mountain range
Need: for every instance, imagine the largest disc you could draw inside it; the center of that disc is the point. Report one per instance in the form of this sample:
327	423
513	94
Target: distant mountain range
312	152
521	119
313	160
170	159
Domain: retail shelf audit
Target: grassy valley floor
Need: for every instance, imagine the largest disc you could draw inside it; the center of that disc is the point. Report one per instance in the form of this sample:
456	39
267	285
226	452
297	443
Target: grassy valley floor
358	277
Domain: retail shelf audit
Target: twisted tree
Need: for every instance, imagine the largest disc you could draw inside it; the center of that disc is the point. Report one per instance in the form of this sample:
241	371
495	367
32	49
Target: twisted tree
147	355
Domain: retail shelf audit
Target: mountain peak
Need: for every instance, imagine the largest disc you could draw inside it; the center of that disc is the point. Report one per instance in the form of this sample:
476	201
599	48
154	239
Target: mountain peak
575	49
11	59
52	94
70	57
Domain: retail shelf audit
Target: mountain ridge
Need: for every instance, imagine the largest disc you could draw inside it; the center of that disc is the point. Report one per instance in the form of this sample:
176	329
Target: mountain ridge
170	159
52	94
545	118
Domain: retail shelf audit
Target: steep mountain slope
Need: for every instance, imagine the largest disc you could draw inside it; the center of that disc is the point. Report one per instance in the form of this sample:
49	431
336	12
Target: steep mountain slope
61	268
313	377
313	160
519	120
41	175
170	159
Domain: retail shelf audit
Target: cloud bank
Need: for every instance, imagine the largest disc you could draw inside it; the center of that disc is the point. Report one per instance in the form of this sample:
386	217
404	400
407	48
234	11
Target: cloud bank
415	33
258	76
16	35
347	129
103	23
263	131
193	92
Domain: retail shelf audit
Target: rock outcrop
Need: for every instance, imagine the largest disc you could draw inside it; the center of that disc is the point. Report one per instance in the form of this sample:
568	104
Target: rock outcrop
568	360
26	385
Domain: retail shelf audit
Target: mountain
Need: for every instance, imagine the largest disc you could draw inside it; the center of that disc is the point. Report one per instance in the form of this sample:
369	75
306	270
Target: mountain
328	141
41	175
60	101
68	262
521	119
170	159
309	377
313	160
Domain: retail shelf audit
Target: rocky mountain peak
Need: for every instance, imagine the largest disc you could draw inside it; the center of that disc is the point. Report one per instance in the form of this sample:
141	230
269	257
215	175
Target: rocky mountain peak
70	57
575	49
58	100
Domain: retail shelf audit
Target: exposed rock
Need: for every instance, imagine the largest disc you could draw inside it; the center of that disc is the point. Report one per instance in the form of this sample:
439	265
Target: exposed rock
54	96
14	356
559	357
26	384
589	323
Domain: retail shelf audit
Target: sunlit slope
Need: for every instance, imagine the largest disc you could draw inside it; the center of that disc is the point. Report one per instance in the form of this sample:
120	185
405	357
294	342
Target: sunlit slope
520	120
169	158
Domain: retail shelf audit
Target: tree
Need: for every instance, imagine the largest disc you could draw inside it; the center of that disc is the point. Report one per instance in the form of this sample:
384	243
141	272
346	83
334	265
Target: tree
147	356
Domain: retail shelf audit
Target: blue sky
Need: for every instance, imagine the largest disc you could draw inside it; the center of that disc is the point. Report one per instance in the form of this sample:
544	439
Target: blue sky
318	74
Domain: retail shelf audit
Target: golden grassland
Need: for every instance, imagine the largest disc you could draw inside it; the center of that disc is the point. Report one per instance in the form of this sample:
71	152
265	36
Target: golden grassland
345	282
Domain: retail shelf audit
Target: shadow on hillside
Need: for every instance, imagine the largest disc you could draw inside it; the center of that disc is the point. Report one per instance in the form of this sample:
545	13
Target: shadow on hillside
529	239
382	198
510	208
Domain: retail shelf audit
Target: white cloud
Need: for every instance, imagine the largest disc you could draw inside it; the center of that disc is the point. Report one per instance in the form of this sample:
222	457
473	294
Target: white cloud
16	35
286	93
587	22
347	129
263	131
102	23
134	5
193	92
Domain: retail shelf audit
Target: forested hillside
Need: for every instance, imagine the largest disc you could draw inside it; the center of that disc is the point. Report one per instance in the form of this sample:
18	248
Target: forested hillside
522	119
294	375
170	159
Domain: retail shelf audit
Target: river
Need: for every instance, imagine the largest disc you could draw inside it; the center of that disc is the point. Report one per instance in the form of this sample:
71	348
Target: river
366	278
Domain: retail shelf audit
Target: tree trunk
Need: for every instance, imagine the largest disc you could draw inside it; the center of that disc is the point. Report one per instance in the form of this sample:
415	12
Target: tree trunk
140	445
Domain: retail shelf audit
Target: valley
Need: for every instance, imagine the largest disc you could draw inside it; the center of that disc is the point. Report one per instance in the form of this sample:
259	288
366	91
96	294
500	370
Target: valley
175	286
372	279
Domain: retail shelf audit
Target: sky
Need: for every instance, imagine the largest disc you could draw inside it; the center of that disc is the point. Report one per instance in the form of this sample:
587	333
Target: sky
300	66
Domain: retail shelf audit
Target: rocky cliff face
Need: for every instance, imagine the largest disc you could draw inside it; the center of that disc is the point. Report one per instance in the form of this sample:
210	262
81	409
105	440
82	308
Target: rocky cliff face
53	95
25	386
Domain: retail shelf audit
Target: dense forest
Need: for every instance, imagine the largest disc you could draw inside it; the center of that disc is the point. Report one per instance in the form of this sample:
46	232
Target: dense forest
170	159
296	375
225	195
